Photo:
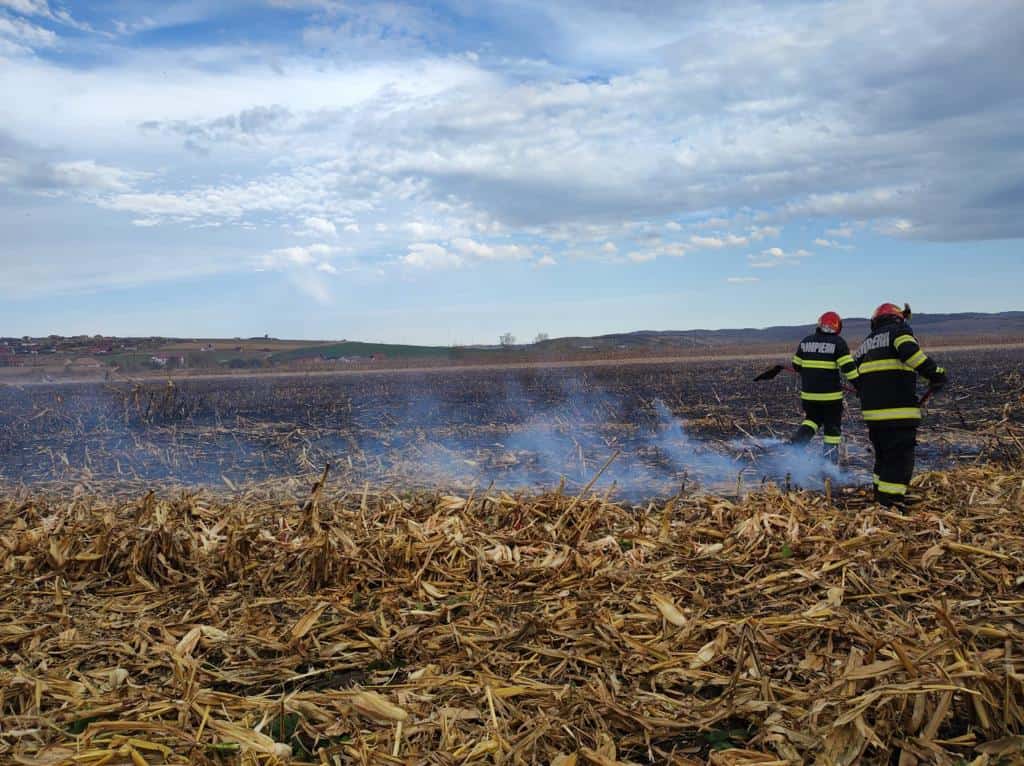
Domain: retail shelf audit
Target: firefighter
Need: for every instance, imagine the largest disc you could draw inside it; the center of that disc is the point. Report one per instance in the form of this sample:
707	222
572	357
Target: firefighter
889	361
819	359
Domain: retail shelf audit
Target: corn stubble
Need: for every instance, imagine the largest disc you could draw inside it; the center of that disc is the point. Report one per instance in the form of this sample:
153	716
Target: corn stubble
276	625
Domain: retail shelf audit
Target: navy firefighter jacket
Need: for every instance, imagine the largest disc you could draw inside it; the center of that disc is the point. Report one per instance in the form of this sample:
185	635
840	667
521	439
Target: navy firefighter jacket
889	361
819	359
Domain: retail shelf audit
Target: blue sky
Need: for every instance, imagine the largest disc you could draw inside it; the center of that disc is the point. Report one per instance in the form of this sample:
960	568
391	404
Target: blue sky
444	172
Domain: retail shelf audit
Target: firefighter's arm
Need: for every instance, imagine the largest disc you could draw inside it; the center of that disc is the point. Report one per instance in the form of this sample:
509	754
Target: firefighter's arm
910	354
846	365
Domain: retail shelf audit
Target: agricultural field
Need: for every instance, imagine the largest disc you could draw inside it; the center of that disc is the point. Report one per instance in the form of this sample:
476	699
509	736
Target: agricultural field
615	564
707	424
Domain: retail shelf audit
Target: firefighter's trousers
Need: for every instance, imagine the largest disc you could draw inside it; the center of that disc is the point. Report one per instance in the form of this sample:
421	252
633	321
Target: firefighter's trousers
894	460
822	415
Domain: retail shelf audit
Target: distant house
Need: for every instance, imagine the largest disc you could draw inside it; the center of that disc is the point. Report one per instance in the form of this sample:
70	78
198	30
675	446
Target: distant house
166	361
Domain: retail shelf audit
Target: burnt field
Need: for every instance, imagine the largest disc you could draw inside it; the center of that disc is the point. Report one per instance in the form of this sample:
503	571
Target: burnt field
663	427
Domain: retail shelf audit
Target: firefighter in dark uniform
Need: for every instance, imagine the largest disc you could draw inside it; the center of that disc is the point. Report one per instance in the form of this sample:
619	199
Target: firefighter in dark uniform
889	361
819	359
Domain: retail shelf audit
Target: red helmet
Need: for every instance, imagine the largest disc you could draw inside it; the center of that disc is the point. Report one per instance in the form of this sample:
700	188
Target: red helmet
830	322
887	310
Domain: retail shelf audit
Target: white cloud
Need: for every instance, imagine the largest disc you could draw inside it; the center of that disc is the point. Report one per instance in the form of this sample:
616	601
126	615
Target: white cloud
486	252
712	242
431	256
776	256
546	260
423	230
775	120
610	248
320	227
896	228
27	7
326	268
716	242
25	35
299	255
352	227
65	177
742	280
761	232
90	174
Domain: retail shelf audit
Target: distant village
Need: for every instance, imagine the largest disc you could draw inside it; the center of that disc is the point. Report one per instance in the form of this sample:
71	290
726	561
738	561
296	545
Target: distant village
97	352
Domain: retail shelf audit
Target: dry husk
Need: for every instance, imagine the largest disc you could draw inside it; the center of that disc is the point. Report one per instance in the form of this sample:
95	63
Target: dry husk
357	627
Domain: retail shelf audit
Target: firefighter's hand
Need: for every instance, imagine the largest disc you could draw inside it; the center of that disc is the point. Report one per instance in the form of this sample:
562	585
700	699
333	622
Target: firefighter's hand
938	379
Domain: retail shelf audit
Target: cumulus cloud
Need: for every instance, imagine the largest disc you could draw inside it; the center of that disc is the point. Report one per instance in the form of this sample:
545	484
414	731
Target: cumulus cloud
27	7
716	242
423	255
758	233
423	230
546	260
299	255
74	175
486	252
320	227
720	118
776	256
22	36
742	280
610	248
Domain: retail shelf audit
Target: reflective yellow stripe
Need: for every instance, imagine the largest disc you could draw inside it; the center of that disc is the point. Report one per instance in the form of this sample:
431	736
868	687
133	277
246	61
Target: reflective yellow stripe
874	478
844	360
891	489
810	424
917	359
797	361
833	439
832	396
894	413
903	339
884	365
852	374
813	364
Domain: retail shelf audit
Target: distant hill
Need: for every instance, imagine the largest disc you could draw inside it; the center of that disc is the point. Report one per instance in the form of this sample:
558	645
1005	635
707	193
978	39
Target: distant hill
57	356
1007	326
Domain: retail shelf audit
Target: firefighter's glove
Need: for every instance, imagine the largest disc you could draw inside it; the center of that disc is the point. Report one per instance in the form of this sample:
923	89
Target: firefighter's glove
939	379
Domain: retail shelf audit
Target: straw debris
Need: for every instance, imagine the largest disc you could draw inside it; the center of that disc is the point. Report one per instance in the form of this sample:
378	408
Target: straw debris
264	627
